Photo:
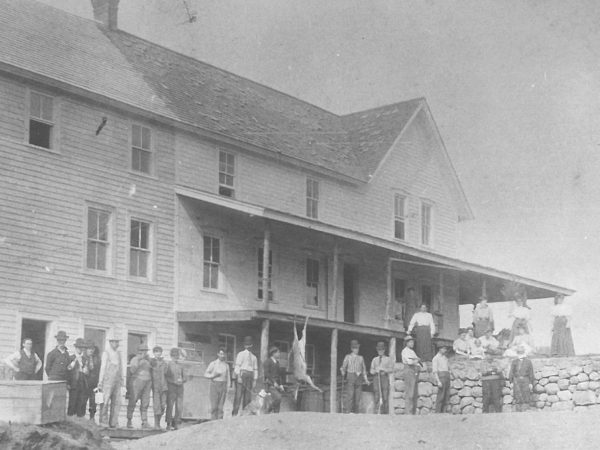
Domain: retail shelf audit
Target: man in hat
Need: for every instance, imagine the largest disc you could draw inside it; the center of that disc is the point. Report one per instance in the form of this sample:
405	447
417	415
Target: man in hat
355	371
246	373
273	378
159	385
141	384
78	389
412	367
381	367
492	382
220	379
58	359
441	376
110	382
93	365
521	376
176	377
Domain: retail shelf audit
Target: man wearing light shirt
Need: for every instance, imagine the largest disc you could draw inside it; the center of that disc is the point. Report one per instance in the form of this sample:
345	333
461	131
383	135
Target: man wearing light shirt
441	375
412	367
218	373
381	367
355	371
246	374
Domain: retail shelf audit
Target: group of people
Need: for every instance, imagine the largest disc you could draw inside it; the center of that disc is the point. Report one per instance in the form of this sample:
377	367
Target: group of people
96	381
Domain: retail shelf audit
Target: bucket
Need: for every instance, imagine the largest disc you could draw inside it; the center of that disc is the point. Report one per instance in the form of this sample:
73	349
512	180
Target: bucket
311	401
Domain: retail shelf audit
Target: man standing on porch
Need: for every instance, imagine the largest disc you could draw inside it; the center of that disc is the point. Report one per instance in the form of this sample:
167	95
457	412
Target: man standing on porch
381	367
111	380
412	366
58	359
25	363
246	374
355	371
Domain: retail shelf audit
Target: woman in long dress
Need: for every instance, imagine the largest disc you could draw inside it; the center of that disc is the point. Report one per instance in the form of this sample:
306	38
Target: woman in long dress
483	318
424	329
562	340
522	319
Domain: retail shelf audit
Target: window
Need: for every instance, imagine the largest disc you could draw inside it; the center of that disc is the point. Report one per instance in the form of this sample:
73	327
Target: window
312	282
228	342
98	239
400	217
212	260
312	198
261	252
141	149
426	213
139	250
41	120
226	173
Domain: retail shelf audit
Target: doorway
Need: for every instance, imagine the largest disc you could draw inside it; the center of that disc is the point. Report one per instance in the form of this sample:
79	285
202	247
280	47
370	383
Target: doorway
350	282
36	331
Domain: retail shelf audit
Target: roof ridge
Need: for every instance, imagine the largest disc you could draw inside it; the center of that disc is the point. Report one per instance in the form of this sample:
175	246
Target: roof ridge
389	105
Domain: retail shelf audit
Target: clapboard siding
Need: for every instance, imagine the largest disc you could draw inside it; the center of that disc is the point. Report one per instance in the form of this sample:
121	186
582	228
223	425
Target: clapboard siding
414	167
43	201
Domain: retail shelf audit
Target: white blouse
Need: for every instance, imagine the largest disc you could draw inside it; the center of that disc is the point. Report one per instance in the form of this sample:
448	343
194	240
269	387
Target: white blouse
520	312
422	319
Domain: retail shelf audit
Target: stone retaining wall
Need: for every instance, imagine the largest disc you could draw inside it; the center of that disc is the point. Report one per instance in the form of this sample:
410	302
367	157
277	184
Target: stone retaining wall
561	384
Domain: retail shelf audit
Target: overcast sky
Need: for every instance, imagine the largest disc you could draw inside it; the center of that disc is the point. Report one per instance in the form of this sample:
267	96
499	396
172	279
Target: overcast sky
513	86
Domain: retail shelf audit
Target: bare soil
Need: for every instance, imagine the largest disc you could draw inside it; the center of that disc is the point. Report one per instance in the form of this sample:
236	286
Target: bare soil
303	430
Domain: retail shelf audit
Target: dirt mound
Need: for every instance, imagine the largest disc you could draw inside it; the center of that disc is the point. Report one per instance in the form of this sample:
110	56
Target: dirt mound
297	430
73	434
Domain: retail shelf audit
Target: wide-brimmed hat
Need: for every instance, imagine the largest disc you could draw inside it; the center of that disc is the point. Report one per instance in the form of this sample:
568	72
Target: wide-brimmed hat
354	343
61	335
273	350
380	345
441	345
80	343
113	336
408	338
248	340
143	348
158	348
89	343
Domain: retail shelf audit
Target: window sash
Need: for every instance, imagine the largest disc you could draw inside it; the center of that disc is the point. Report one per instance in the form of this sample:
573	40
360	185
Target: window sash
139	252
212	259
312	198
98	233
426	224
41	107
312	282
400	217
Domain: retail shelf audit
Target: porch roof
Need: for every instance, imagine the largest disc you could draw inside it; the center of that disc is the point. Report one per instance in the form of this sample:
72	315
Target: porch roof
250	314
472	275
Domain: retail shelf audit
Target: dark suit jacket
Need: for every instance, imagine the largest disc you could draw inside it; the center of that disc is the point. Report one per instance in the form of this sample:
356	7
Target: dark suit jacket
521	368
271	370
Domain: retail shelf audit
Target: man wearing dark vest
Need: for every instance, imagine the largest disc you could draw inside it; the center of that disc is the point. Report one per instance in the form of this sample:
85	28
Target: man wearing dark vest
58	360
273	379
25	363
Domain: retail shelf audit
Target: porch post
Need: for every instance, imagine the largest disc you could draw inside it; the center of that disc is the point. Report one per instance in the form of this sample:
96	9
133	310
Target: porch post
333	372
388	303
392	379
484	288
332	306
264	348
265	266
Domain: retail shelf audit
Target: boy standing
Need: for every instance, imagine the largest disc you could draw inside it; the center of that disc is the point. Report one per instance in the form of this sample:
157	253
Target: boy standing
355	371
175	376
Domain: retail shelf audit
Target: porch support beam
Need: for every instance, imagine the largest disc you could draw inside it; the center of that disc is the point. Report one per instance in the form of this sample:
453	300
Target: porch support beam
264	348
333	372
265	265
388	301
334	280
392	377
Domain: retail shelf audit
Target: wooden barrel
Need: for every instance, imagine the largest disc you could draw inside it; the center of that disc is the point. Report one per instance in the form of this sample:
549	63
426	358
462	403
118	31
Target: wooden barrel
288	403
311	401
367	403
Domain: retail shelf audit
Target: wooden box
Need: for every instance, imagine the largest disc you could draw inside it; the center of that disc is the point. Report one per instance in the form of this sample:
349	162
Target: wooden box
35	402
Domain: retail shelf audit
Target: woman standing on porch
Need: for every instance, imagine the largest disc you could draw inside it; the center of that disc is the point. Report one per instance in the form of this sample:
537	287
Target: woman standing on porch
562	340
424	327
483	319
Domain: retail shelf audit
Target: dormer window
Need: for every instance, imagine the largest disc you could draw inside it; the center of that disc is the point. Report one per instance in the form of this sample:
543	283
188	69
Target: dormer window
41	120
400	217
226	174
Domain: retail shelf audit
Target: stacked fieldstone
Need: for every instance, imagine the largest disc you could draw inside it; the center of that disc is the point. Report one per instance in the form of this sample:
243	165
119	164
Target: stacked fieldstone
560	384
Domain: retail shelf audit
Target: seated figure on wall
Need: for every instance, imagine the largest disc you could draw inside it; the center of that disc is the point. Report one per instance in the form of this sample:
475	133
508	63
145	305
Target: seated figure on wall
477	350
490	344
521	340
461	345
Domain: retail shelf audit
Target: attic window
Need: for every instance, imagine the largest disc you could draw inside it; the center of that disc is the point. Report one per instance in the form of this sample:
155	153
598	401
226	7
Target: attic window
399	217
312	198
226	174
41	120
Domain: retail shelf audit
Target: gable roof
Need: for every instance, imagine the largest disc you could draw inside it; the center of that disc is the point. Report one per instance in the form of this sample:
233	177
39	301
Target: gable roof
122	67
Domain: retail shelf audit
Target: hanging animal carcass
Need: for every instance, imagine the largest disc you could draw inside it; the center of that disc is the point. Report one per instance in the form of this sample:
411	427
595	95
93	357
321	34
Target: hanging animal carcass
299	360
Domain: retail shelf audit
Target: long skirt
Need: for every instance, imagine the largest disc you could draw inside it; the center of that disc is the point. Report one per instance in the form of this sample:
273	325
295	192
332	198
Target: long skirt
423	344
562	341
518	323
481	326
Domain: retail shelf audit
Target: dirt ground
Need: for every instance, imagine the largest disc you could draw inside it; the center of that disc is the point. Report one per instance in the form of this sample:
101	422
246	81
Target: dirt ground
298	430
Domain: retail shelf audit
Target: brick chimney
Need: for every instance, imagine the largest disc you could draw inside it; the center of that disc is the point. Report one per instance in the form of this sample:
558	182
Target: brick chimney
106	12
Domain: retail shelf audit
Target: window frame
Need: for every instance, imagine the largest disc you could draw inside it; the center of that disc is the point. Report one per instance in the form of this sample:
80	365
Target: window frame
430	206
150	150
403	218
271	291
307	288
54	123
109	271
151	259
219	264
233	186
312	200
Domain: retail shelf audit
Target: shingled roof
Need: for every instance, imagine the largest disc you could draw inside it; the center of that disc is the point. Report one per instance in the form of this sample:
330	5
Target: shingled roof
117	65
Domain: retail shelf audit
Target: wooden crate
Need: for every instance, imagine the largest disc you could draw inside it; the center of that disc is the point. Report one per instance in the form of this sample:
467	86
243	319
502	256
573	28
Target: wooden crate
35	402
